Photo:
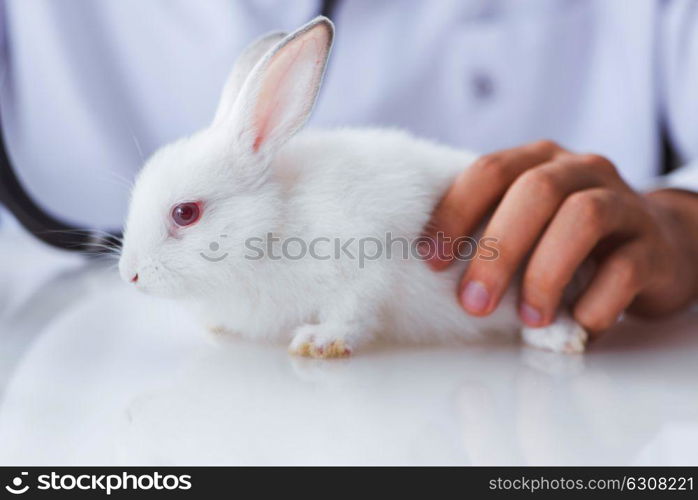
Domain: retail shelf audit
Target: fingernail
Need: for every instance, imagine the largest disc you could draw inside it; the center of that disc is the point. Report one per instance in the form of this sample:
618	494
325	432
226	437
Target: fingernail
475	297
530	315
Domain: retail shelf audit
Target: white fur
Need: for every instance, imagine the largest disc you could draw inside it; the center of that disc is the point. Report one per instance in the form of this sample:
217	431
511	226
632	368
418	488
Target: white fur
255	177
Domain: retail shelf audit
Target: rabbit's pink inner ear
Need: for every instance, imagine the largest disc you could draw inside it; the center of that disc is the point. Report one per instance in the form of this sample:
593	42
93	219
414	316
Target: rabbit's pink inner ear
289	86
272	99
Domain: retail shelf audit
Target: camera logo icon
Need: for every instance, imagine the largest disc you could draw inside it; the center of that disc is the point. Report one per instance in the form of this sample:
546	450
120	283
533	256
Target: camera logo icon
214	247
16	488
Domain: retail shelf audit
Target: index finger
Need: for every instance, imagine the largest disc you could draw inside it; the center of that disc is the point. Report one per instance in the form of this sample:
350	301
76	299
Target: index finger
475	192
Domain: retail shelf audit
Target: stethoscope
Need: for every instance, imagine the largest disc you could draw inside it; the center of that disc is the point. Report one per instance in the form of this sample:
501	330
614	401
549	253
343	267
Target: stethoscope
58	233
51	229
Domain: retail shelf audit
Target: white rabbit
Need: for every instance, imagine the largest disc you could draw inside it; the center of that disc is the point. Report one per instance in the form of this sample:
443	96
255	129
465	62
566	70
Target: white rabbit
211	215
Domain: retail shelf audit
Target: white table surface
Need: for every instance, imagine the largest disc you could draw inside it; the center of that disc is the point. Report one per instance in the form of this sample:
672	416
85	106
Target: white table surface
91	372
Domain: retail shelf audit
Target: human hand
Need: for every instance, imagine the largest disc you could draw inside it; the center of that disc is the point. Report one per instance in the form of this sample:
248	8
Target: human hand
561	208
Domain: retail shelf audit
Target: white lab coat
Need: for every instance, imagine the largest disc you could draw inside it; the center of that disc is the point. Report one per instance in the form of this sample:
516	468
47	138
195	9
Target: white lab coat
88	86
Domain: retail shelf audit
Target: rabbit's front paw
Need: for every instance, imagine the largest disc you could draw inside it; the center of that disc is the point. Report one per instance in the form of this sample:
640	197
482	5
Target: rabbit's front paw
319	341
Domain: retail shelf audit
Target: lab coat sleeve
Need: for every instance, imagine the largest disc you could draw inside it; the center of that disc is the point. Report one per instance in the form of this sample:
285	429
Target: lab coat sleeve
678	87
3	42
685	178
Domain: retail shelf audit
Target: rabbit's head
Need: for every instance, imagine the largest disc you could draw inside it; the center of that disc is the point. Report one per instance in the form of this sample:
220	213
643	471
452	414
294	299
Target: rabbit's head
197	201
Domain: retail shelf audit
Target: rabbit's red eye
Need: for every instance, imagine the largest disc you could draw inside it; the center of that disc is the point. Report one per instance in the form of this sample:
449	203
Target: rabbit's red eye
186	214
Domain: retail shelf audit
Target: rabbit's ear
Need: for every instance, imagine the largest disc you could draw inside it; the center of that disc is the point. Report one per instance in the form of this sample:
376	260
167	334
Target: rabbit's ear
279	94
241	69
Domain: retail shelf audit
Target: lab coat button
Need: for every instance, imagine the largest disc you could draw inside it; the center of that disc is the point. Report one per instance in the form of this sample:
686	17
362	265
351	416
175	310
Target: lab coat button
482	85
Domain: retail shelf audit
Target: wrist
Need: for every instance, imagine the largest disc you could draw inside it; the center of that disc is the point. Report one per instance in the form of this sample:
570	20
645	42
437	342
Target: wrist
678	211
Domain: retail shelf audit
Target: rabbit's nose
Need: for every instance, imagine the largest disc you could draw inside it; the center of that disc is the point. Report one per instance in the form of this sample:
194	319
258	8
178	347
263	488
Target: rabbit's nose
128	268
